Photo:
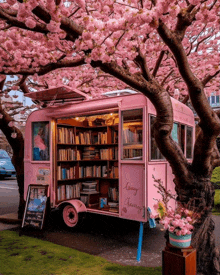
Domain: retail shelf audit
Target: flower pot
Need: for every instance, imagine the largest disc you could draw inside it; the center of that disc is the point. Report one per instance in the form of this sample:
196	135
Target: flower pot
180	241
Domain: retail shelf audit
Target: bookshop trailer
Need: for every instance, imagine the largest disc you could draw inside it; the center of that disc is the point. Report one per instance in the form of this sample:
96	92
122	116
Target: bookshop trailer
99	155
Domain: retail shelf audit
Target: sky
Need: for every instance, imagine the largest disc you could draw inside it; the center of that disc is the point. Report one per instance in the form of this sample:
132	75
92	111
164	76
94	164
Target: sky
21	97
24	99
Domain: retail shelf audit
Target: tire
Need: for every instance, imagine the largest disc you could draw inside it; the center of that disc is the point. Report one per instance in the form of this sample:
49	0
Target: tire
70	216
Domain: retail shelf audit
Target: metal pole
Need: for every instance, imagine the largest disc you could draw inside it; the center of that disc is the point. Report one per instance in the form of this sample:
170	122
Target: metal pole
140	240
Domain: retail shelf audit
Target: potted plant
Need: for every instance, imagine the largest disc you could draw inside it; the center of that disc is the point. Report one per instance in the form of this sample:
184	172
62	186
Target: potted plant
179	221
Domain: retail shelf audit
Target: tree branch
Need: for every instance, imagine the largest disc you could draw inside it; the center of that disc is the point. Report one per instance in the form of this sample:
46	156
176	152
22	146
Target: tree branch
209	77
159	60
2	82
210	123
49	67
141	62
40	27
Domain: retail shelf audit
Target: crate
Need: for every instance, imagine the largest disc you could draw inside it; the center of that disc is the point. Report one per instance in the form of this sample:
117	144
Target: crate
181	261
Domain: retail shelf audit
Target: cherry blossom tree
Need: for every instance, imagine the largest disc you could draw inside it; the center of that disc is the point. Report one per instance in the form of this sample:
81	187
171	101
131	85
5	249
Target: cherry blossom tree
159	48
13	133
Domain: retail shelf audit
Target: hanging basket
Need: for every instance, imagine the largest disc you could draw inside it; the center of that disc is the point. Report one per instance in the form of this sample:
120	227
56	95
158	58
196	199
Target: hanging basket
180	241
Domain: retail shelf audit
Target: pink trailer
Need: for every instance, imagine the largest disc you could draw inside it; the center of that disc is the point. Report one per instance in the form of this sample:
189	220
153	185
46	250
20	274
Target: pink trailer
99	156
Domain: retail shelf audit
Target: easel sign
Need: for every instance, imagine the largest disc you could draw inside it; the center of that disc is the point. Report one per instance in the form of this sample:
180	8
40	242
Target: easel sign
35	206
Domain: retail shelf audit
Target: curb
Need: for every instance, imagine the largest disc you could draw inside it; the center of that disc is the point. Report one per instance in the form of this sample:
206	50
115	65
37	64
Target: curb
10	219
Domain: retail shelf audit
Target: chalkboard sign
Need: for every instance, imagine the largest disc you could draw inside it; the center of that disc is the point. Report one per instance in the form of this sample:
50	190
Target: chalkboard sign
35	206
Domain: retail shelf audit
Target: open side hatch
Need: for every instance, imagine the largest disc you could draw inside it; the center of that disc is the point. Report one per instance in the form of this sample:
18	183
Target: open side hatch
58	95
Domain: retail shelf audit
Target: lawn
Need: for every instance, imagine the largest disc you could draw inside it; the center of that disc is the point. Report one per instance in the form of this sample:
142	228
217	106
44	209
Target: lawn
22	255
216	179
216	209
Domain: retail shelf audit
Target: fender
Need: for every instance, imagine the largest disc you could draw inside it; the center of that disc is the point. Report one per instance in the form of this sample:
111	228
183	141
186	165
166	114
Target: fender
79	206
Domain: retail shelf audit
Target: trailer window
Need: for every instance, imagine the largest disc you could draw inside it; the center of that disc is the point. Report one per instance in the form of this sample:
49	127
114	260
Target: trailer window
40	141
189	139
132	134
178	134
155	152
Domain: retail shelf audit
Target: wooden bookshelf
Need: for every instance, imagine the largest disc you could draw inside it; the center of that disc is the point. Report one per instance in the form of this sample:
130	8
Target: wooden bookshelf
87	153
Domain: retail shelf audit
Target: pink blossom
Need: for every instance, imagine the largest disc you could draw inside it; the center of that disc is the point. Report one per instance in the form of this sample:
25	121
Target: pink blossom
81	3
32	4
178	233
14	135
189	219
171	229
53	26
30	23
194	2
11	2
86	35
184	231
11	124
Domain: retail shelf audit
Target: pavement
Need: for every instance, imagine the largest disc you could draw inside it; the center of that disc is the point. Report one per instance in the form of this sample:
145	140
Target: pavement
101	240
9	221
120	248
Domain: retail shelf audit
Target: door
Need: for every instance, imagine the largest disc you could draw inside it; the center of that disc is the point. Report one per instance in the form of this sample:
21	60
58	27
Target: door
132	165
132	192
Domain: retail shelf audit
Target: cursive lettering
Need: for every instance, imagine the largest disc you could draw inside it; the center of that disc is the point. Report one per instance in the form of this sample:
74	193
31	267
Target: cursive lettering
131	188
134	205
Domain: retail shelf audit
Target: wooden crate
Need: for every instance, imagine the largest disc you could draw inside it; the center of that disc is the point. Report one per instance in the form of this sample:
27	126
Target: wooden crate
178	261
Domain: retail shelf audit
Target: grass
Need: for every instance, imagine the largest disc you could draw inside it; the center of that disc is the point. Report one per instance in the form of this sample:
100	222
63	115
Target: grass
22	255
216	209
216	175
216	179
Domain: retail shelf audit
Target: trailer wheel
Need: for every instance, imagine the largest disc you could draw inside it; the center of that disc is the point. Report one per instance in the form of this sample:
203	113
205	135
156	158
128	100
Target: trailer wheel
70	216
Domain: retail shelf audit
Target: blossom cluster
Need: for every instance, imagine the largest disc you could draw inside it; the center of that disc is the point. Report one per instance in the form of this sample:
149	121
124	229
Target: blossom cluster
179	221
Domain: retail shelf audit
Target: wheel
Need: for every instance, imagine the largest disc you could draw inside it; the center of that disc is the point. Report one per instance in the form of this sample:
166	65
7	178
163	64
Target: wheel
70	216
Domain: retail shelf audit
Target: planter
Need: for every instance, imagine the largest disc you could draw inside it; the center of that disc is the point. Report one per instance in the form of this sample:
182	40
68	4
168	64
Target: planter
180	241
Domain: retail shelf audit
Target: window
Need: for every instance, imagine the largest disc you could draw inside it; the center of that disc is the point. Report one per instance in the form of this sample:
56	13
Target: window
212	99
181	134
132	134
175	132
154	150
178	134
189	139
40	141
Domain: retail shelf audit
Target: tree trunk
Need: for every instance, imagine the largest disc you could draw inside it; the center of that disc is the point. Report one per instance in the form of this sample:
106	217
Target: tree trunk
17	145
202	192
18	162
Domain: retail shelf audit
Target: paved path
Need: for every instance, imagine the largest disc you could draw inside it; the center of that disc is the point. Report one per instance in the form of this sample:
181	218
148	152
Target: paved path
113	243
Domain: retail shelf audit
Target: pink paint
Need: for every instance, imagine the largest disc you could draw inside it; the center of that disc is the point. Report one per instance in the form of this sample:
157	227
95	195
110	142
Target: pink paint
135	168
179	240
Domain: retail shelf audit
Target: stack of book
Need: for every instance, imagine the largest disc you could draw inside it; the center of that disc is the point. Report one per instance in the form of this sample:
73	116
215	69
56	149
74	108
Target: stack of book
113	206
89	187
90	153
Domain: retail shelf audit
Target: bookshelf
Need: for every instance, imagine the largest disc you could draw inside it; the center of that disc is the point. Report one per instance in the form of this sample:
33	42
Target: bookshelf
87	161
132	134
